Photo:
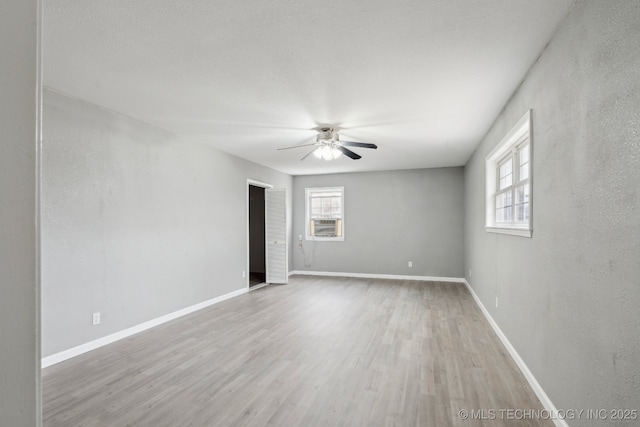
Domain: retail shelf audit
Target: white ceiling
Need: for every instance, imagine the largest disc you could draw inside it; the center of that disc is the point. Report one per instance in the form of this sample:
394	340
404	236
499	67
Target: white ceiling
422	79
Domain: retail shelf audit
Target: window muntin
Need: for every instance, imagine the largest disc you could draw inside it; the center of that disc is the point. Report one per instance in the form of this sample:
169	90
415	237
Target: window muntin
324	213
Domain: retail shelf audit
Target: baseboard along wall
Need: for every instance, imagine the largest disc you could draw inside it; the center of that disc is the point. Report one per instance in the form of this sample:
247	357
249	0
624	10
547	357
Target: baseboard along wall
535	385
100	342
377	276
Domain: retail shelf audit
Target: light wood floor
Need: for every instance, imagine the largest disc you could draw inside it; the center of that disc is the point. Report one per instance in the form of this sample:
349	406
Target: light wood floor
316	352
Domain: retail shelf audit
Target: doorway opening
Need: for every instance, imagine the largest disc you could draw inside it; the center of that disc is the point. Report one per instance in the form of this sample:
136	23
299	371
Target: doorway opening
257	254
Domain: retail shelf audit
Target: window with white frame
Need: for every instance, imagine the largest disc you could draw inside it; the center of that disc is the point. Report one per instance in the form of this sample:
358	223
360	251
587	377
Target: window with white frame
508	182
324	213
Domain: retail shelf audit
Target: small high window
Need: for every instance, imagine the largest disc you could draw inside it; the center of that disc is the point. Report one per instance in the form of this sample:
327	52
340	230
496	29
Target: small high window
508	182
324	213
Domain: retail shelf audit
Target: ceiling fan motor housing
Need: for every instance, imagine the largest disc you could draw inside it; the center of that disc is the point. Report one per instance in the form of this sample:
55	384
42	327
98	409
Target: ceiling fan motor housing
327	136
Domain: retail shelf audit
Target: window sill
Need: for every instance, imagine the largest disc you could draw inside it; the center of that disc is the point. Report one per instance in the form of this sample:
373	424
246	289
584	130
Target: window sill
521	232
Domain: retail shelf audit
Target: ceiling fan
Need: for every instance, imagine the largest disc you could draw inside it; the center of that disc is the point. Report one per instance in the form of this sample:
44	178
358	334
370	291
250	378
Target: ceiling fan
329	147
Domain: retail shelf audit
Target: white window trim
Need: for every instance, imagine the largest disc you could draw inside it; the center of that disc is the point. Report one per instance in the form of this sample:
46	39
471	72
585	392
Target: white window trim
307	215
520	133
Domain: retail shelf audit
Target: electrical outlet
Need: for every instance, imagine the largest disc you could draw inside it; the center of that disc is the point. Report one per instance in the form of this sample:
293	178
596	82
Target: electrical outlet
96	319
244	274
299	237
410	263
496	302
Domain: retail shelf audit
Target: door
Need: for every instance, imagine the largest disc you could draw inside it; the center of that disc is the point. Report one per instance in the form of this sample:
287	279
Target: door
276	234
257	243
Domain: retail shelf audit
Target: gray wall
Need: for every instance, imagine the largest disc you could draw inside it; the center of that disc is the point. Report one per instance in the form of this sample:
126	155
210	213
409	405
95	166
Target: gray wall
136	222
569	296
390	218
19	326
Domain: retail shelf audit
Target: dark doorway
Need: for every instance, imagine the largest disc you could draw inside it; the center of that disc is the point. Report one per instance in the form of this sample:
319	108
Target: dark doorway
257	263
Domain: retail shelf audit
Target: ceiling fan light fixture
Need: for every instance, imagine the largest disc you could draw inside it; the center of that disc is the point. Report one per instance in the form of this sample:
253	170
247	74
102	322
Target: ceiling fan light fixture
327	153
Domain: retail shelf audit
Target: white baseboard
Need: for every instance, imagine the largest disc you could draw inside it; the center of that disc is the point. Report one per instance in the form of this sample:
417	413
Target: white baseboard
379	276
92	345
100	342
535	385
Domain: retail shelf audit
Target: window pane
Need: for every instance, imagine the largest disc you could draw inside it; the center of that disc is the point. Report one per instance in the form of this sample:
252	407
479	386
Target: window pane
522	203
335	207
503	215
504	207
316	207
326	205
505	174
522	194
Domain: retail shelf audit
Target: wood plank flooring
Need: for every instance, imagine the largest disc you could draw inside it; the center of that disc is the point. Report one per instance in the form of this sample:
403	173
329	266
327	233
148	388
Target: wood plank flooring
316	352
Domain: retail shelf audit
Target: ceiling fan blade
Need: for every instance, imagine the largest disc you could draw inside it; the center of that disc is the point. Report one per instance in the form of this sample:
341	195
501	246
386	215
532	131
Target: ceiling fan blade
310	152
348	152
358	144
297	146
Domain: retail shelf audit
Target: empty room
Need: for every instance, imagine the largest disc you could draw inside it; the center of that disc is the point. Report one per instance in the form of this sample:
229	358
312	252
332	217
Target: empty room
320	213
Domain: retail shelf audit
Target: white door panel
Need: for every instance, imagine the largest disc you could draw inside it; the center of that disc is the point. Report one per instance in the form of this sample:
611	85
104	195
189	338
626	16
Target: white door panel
276	235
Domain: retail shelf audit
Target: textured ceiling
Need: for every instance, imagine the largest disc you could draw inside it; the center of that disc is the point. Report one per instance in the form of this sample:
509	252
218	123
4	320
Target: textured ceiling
422	79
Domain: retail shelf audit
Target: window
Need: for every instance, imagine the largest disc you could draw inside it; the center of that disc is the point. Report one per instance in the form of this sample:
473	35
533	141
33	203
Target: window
508	182
324	213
